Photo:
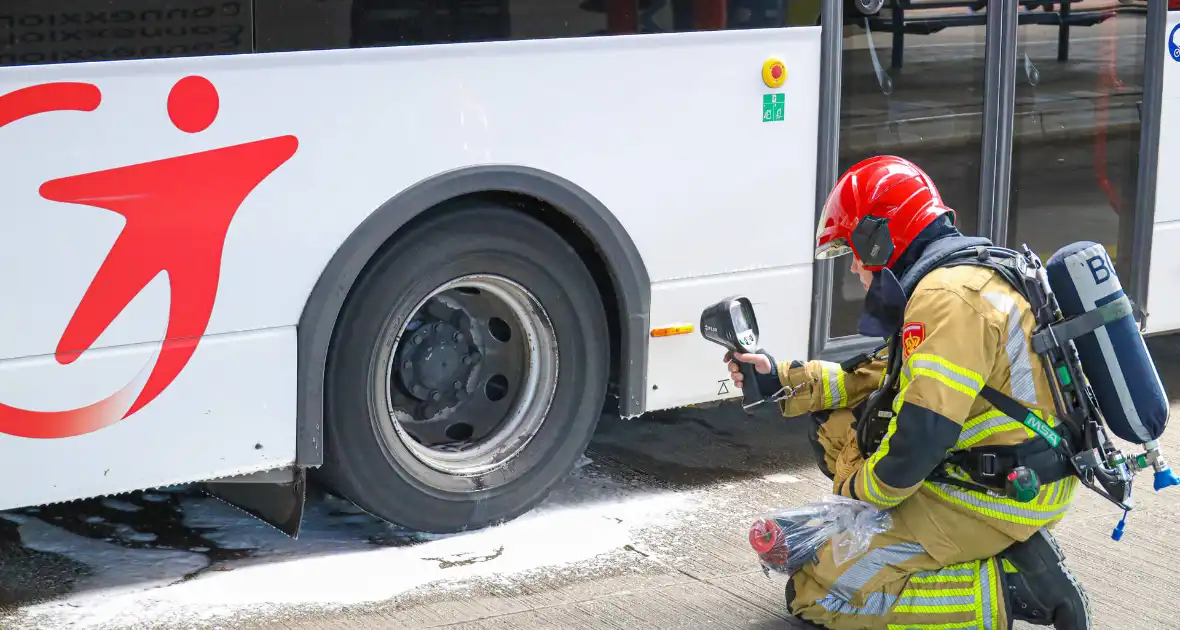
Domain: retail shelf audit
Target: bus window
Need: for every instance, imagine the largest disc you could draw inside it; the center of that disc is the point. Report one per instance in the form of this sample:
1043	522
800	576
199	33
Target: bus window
285	25
69	31
1076	143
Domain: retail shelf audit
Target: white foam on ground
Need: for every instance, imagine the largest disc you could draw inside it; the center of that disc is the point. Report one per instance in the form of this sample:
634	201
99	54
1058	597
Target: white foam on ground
334	565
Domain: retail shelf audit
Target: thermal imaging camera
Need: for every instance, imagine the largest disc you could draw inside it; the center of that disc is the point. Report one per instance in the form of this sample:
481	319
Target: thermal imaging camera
731	324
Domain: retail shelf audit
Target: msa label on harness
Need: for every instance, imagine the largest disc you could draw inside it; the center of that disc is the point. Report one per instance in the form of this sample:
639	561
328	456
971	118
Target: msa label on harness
912	335
1041	428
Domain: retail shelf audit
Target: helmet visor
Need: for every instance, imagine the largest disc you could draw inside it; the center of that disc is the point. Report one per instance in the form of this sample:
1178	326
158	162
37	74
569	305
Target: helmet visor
832	249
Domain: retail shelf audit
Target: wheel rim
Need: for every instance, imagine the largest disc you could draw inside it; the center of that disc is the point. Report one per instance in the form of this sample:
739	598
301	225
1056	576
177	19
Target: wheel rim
470	375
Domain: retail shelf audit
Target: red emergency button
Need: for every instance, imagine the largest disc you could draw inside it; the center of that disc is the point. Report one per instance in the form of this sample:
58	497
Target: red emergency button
774	72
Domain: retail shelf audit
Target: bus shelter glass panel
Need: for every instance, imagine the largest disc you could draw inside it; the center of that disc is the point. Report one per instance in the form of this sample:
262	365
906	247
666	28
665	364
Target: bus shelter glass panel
1079	88
912	86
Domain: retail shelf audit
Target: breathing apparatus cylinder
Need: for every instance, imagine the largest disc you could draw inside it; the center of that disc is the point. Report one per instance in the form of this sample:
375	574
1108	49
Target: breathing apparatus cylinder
1114	356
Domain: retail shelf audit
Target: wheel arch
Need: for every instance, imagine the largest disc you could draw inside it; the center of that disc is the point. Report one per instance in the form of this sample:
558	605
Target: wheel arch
616	254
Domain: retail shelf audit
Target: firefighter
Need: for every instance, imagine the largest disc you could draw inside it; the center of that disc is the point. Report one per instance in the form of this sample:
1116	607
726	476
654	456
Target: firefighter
955	557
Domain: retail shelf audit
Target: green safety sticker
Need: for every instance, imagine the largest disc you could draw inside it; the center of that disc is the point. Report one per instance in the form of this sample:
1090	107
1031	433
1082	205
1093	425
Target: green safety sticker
1041	428
774	107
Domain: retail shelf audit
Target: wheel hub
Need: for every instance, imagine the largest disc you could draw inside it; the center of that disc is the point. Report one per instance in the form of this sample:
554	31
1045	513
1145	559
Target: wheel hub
471	374
437	361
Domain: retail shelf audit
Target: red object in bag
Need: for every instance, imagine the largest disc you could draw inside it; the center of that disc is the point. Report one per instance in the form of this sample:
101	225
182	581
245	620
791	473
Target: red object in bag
765	535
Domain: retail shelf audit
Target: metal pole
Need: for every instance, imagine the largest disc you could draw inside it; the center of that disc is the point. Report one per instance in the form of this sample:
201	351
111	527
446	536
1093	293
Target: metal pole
999	109
1149	140
827	160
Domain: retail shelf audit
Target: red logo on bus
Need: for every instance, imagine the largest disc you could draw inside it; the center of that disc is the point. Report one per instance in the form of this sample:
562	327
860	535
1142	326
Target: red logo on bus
177	211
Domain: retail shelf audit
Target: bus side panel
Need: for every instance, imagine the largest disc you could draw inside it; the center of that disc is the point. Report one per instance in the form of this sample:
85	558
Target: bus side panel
670	132
764	202
231	414
1163	298
686	369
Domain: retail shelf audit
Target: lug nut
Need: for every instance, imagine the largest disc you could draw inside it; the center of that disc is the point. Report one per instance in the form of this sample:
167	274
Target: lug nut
435	395
458	384
458	337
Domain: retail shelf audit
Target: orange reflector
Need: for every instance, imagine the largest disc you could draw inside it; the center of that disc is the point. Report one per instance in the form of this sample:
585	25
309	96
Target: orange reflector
668	331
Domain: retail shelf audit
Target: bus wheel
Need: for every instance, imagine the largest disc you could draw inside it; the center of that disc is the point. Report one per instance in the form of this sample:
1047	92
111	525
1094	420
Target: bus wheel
467	373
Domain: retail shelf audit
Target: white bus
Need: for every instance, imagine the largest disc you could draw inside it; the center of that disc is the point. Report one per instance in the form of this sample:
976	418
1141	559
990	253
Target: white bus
418	248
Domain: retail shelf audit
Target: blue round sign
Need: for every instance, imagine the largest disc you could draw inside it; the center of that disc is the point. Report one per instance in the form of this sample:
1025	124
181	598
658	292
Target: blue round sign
1173	48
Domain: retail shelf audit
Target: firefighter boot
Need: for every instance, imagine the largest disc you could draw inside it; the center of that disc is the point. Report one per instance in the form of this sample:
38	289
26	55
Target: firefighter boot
1040	589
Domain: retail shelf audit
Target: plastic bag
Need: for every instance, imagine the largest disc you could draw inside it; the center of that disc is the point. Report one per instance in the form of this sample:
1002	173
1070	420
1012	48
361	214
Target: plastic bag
787	539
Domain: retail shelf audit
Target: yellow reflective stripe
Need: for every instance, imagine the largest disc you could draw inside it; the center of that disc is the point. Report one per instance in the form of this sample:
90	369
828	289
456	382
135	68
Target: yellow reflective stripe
961	572
835	394
927	593
943	579
976	596
942	378
940	600
953	376
872	491
1008	566
987	424
936	608
868	479
982	418
979	598
1006	509
988	588
958	625
903	383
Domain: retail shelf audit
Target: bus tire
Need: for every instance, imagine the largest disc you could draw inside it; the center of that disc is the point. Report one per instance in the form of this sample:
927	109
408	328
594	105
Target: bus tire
482	327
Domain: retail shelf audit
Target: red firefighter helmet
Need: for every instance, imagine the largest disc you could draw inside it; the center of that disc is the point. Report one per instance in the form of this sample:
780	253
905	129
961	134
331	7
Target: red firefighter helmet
876	210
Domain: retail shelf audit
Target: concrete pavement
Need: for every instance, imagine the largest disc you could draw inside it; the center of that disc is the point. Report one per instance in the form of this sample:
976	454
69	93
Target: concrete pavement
682	561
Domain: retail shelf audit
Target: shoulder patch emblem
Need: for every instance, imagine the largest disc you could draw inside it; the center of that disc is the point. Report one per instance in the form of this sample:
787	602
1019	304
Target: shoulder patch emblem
912	334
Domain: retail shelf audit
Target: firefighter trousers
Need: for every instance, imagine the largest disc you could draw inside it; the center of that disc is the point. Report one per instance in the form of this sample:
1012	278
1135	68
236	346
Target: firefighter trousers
936	569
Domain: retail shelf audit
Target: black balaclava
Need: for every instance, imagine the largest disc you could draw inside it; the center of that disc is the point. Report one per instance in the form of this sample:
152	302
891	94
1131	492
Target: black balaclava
885	302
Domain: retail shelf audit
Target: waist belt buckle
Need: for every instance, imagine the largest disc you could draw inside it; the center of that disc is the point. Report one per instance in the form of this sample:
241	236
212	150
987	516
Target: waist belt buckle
987	465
